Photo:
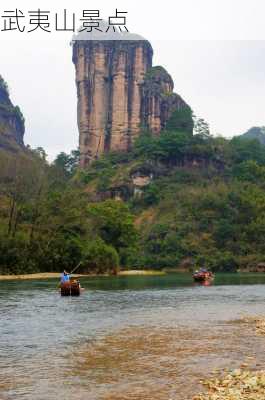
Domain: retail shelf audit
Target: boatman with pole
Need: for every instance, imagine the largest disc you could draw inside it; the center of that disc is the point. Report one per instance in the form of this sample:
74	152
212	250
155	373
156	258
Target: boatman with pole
65	277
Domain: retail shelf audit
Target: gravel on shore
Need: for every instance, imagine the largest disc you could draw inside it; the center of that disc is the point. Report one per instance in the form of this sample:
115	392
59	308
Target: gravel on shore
240	384
237	385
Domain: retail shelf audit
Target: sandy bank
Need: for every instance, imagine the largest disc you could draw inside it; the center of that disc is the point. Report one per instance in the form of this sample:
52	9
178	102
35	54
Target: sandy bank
56	275
140	272
42	275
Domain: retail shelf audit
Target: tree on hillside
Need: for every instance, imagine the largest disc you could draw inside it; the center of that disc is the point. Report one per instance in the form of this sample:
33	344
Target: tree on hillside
68	163
201	128
113	222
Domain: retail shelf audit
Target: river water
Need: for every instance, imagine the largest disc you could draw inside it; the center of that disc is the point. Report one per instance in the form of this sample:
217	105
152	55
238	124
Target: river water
125	338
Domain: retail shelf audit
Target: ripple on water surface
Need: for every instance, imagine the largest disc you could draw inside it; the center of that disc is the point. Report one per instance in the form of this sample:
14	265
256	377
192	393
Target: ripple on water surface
129	338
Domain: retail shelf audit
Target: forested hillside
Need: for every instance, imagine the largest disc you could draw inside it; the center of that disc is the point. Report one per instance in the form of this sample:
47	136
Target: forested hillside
173	201
196	200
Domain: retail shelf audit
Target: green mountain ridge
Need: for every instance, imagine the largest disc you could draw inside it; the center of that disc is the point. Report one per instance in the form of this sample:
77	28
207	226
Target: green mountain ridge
256	132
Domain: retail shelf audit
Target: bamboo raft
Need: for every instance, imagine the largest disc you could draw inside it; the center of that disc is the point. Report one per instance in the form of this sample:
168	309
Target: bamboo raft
71	288
203	276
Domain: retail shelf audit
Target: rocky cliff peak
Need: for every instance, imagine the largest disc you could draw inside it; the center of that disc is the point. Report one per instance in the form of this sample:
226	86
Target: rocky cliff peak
161	107
11	118
158	80
119	93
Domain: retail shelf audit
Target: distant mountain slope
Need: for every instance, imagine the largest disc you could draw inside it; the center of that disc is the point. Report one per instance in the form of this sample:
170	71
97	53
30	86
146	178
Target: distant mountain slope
256	132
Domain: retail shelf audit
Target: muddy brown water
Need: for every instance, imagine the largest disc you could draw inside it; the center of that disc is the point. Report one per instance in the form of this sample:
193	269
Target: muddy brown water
126	338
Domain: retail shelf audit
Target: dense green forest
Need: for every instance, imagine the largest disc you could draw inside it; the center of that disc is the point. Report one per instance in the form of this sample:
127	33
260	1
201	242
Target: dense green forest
201	202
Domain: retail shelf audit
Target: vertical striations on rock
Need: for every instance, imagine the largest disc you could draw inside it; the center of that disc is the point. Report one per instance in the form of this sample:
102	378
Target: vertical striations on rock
119	93
109	75
11	119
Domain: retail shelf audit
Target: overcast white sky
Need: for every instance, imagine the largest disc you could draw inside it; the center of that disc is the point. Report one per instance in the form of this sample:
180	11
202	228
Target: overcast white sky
204	45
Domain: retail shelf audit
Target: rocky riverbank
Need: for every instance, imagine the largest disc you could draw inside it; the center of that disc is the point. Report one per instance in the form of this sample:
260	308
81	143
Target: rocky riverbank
239	384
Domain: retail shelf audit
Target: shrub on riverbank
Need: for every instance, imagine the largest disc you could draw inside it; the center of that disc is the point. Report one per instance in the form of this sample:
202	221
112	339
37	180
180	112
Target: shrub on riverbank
100	258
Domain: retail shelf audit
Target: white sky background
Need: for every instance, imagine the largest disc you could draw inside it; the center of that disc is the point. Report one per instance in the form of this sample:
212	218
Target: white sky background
213	49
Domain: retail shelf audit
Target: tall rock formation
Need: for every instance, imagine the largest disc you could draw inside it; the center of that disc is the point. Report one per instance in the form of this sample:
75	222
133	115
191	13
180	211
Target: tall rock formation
119	93
11	119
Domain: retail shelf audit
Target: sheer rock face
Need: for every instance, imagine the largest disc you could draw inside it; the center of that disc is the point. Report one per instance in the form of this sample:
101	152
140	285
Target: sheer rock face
119	93
11	119
108	79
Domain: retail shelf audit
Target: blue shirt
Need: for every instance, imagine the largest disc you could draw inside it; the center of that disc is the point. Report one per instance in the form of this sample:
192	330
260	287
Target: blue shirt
65	278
